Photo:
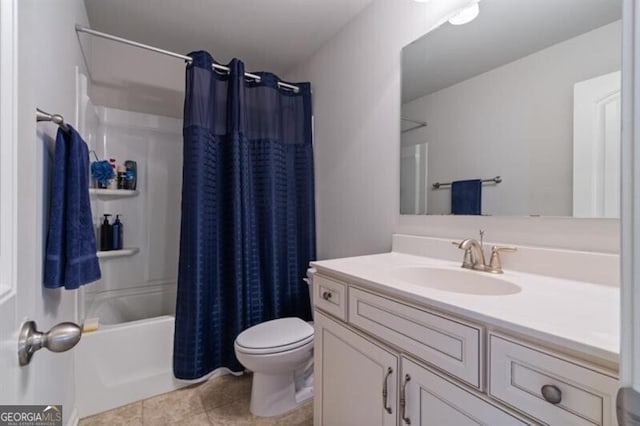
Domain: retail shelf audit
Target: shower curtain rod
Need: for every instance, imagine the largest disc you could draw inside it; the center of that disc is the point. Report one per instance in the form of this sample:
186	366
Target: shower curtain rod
418	124
81	29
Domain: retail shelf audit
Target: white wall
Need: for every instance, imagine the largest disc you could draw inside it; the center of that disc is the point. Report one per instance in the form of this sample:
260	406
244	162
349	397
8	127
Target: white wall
356	84
521	111
356	96
48	52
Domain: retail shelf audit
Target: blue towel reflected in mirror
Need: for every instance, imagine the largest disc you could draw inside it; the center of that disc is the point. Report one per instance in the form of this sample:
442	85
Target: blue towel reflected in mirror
466	197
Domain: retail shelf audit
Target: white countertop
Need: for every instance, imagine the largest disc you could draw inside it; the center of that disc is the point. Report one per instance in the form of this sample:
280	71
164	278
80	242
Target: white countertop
578	316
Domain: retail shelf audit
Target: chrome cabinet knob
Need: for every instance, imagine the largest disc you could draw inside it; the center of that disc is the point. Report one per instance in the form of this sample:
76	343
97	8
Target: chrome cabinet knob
60	338
551	394
326	295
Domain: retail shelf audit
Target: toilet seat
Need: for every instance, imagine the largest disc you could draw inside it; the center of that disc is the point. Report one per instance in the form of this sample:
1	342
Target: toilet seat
275	336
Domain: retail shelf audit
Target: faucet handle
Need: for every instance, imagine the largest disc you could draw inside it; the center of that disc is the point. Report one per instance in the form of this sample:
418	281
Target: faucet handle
495	264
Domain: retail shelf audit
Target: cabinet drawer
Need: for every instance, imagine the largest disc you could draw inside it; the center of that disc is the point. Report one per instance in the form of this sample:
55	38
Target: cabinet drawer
579	395
330	296
449	345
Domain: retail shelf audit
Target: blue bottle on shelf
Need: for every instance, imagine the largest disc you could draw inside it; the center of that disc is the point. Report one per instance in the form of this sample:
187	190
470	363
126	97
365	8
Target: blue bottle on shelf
116	229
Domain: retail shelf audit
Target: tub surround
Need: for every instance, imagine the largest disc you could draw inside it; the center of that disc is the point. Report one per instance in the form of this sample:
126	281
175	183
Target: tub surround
566	319
155	142
130	356
117	307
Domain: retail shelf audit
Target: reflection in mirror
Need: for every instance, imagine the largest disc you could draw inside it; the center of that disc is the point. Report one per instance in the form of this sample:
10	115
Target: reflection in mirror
529	91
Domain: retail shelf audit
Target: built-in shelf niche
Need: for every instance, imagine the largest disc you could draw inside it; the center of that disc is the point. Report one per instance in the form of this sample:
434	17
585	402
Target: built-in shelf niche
109	254
111	194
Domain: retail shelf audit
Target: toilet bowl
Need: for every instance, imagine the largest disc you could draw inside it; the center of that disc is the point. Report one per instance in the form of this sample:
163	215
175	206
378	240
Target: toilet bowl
280	355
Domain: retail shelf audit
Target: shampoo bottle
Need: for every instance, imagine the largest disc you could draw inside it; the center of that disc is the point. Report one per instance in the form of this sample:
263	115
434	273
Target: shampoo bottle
132	174
106	234
117	233
113	183
122	177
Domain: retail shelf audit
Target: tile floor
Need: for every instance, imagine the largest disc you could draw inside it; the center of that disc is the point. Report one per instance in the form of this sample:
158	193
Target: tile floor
221	401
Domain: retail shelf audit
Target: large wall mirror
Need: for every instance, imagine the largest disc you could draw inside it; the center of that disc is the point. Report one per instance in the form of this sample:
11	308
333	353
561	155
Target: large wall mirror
524	98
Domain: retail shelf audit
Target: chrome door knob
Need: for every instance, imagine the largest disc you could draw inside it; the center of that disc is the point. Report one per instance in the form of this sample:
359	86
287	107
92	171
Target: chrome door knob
60	338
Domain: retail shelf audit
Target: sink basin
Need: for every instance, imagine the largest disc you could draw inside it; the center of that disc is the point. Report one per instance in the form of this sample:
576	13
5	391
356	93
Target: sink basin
456	281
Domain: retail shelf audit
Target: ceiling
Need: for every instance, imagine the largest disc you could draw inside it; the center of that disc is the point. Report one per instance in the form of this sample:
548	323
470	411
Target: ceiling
504	31
268	35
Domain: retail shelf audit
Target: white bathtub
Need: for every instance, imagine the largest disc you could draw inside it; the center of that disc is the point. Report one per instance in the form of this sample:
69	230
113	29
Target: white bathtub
128	358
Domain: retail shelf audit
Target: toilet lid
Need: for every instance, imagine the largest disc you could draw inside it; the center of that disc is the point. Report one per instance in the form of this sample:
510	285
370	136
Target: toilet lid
276	334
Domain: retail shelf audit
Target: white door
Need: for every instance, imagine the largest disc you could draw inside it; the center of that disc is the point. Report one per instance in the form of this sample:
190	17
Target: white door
629	394
430	400
356	378
48	379
9	371
596	147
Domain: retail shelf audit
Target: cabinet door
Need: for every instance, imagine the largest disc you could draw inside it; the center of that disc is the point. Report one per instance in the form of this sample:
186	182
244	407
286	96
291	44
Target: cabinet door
431	400
355	380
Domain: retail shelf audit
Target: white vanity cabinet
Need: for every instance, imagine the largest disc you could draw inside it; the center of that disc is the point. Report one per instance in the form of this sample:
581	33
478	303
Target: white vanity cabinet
380	360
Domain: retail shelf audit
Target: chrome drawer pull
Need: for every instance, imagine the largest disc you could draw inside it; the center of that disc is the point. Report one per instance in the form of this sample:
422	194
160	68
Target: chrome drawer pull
403	400
326	295
385	390
551	394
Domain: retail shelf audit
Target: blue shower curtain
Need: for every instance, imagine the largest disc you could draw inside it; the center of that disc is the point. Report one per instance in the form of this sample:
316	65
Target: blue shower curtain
248	224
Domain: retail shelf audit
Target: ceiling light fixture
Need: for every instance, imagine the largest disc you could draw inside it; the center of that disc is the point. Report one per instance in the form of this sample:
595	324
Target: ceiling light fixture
466	15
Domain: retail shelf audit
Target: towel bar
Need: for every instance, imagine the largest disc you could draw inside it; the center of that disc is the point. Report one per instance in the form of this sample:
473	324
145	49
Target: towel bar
496	180
56	118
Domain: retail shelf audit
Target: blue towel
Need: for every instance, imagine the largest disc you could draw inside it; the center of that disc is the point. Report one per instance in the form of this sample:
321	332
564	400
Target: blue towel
466	197
71	259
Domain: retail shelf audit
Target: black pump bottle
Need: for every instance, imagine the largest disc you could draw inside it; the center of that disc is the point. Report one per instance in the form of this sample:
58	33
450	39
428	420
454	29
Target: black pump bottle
106	235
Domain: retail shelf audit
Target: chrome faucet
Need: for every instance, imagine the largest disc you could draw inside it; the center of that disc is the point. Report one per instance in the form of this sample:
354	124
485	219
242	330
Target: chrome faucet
474	255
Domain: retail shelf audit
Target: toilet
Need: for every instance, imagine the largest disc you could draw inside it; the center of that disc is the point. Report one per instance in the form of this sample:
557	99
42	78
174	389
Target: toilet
280	355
